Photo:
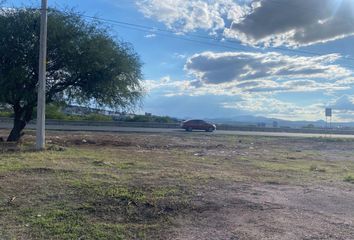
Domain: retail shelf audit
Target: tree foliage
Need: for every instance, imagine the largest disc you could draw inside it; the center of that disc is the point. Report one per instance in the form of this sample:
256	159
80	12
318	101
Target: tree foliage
85	64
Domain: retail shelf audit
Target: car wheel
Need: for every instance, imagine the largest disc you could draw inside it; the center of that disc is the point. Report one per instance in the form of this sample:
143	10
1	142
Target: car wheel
189	129
210	130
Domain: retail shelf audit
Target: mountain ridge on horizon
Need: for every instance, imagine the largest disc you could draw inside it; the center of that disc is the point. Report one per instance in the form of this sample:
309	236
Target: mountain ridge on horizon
250	119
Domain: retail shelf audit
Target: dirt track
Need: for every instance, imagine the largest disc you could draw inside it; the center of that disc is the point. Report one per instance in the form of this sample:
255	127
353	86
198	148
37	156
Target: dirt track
272	212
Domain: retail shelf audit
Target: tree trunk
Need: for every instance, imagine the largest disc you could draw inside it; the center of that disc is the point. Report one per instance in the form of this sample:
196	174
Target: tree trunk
21	118
16	131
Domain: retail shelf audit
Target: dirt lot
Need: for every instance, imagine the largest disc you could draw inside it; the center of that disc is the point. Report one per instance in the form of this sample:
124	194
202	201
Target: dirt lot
180	186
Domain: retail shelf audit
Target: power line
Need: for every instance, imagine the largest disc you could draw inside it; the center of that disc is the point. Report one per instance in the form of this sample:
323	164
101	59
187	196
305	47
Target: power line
144	28
211	41
156	31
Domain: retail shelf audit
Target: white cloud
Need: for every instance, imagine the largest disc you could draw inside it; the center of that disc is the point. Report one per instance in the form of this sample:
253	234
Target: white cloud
343	108
234	73
6	10
189	15
226	67
167	86
270	86
271	107
250	97
345	103
258	22
150	35
254	87
179	56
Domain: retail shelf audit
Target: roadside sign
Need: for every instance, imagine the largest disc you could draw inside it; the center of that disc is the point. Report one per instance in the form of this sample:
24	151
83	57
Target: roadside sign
328	112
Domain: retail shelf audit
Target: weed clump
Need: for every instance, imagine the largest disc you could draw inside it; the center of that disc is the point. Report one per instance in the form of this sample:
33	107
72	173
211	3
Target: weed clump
349	179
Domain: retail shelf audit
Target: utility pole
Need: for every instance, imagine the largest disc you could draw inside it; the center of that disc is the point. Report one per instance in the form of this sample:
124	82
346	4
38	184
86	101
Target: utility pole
40	131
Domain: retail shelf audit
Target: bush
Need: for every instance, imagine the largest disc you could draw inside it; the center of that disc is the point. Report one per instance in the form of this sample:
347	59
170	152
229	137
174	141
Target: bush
54	111
158	119
97	117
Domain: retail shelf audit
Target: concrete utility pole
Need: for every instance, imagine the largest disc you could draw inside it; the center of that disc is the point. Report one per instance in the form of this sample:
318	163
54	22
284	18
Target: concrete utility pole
40	133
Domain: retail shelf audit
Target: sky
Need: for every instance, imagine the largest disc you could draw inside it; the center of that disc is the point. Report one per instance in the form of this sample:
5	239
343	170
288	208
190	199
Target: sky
226	58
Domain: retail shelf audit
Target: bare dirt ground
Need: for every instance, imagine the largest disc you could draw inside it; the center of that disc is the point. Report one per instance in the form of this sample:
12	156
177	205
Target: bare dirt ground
180	186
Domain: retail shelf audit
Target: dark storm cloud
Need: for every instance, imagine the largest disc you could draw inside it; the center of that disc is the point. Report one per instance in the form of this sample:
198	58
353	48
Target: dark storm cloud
217	68
296	23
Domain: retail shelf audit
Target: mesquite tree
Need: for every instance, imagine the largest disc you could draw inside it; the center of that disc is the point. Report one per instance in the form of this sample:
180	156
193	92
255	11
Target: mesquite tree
85	64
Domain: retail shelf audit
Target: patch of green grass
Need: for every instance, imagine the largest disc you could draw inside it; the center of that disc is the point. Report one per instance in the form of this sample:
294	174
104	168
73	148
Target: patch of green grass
31	159
81	205
349	178
123	193
138	195
301	169
12	165
129	165
67	224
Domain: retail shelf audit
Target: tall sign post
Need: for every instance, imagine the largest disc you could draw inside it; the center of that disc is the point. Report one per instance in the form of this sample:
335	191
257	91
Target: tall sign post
329	115
40	131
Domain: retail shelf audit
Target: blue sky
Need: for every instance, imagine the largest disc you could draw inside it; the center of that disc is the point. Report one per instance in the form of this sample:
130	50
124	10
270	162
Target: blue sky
274	58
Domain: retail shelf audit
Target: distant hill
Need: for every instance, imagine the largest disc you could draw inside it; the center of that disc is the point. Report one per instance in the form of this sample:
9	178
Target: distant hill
254	120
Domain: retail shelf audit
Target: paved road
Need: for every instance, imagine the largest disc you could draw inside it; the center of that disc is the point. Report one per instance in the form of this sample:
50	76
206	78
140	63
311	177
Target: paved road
166	130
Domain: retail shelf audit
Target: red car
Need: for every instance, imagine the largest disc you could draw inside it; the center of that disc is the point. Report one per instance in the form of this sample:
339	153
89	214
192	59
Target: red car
191	125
